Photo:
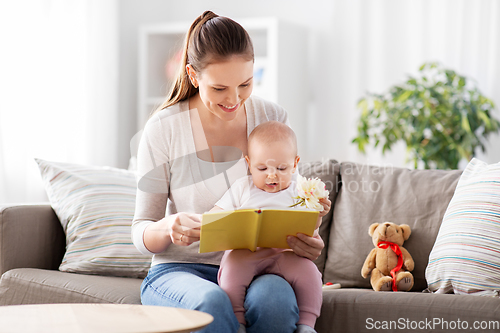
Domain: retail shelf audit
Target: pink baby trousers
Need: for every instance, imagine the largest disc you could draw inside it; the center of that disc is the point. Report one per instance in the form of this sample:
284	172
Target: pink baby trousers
239	267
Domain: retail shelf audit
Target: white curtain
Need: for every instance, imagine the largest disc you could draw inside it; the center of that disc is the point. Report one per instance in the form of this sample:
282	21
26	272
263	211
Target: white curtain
373	45
58	87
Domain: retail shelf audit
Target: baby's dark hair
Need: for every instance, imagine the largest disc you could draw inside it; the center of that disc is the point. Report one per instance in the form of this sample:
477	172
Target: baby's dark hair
272	131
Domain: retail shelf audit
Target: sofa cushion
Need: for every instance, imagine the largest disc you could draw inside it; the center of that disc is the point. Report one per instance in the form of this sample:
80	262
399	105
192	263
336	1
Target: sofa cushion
37	286
361	310
466	256
328	172
95	206
371	194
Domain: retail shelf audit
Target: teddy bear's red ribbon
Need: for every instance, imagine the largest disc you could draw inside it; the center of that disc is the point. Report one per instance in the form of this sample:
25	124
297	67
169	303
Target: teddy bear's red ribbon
395	248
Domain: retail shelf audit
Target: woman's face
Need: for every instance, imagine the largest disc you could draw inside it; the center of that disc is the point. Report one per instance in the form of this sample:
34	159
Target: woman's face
225	86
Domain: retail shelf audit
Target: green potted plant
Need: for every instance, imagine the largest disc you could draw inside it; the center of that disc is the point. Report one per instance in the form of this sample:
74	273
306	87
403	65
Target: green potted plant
440	115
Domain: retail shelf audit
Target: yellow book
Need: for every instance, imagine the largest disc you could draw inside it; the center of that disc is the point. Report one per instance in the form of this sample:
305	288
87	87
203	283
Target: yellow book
252	228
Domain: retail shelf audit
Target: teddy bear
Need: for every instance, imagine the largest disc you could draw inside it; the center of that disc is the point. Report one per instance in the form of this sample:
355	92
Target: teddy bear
389	263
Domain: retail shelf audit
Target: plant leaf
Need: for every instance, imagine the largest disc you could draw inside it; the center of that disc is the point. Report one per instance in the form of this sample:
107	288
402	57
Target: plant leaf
465	123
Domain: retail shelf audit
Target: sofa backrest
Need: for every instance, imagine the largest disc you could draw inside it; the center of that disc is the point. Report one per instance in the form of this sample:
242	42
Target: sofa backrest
30	236
329	172
369	194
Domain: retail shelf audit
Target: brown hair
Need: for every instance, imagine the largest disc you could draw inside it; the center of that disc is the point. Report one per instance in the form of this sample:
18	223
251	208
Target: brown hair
211	38
272	131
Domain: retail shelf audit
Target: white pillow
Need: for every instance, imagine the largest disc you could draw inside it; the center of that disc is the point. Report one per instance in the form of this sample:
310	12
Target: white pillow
95	206
465	258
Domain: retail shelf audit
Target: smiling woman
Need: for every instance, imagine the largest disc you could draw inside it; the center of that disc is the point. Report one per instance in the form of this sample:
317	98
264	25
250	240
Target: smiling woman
203	126
58	89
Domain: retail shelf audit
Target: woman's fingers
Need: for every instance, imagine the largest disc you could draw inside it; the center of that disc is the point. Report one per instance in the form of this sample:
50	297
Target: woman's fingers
187	223
327	204
183	239
186	229
306	246
180	238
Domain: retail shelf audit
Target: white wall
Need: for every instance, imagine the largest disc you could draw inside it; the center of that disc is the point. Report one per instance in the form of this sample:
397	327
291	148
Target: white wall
353	47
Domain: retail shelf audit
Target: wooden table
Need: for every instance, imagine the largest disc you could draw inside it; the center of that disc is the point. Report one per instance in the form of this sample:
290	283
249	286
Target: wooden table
96	318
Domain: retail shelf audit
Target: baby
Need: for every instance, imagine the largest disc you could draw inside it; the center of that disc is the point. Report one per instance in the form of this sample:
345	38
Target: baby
272	160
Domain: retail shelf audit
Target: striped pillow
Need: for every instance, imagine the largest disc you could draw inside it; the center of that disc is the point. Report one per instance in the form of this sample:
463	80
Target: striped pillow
95	206
466	256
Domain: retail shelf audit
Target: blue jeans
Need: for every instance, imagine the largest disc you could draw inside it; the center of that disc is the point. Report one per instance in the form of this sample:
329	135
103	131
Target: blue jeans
270	302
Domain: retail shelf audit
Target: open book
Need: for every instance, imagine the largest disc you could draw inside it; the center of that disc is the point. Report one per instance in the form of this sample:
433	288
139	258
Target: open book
252	228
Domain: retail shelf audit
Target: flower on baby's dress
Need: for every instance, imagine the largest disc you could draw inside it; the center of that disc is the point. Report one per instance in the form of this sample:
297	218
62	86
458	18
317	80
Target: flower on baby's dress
310	191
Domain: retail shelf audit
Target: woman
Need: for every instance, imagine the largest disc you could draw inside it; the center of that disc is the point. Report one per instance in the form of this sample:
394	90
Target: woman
191	151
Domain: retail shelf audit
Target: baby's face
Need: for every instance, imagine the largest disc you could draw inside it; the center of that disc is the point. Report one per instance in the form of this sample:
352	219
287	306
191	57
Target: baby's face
272	165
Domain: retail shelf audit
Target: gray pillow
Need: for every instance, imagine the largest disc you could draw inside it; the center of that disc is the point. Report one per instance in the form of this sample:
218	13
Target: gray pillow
371	194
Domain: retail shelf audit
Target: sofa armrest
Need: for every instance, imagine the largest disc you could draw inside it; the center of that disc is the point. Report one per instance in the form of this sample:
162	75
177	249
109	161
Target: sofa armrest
30	237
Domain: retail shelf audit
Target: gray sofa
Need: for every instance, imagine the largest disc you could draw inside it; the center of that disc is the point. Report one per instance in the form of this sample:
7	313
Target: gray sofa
32	244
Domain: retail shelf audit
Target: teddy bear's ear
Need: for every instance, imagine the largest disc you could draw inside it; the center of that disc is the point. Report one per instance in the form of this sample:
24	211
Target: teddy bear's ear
406	231
372	228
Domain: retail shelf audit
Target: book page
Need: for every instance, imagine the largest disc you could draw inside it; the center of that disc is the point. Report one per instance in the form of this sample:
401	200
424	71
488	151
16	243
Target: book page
228	230
276	225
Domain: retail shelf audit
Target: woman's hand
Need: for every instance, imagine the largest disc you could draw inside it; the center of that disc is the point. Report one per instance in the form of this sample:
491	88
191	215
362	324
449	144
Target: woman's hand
180	229
327	204
185	229
306	246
